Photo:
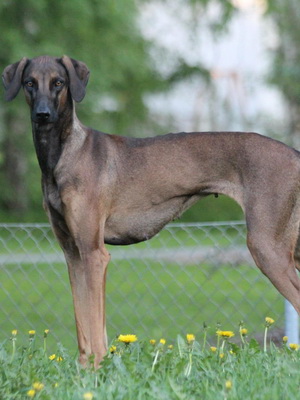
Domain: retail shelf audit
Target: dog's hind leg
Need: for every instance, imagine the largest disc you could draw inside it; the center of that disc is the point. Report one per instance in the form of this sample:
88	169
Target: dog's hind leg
273	252
297	252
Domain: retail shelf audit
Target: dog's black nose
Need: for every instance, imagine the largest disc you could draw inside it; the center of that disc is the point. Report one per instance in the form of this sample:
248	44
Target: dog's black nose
42	112
43	115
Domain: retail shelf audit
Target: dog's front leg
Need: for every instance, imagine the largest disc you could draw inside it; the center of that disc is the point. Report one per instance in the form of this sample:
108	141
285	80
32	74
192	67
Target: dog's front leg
87	266
87	274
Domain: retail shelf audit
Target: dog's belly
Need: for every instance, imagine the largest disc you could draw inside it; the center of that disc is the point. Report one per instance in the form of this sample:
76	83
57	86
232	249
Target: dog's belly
129	226
127	232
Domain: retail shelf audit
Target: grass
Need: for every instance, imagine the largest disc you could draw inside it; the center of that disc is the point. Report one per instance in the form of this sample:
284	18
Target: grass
151	299
143	295
28	238
157	301
141	371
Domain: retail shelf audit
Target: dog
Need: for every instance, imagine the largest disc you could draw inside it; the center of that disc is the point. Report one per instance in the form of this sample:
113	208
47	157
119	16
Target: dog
100	188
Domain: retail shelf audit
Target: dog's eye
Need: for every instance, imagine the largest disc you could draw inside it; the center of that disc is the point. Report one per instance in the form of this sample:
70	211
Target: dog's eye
29	84
58	83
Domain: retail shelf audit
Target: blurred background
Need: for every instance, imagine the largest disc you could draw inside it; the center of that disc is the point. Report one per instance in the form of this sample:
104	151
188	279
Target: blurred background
156	66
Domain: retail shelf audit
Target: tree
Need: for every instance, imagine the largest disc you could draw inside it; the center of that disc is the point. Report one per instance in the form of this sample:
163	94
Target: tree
106	38
285	72
103	34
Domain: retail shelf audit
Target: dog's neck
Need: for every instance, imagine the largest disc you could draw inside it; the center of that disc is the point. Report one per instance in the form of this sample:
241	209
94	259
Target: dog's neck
49	139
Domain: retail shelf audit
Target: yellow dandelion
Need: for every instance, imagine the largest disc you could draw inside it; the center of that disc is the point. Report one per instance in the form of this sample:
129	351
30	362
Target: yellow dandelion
152	341
113	349
46	332
52	357
59	359
170	347
294	346
31	335
228	385
269	321
162	341
285	339
38	386
127	338
222	355
225	334
14	332
88	396
244	331
190	338
213	349
31	393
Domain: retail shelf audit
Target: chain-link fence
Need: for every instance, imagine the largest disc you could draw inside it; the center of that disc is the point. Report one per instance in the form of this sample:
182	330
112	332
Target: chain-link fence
189	274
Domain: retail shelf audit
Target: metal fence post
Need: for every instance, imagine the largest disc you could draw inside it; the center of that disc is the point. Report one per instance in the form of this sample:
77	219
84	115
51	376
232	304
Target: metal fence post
291	323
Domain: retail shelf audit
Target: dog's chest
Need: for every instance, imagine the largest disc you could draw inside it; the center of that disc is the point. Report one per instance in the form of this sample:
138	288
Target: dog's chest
52	196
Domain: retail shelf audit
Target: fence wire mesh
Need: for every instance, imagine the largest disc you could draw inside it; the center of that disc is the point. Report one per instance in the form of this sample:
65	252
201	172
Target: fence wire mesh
188	275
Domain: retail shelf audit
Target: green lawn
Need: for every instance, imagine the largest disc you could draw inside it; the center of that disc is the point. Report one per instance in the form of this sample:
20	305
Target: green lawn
161	301
144	371
144	296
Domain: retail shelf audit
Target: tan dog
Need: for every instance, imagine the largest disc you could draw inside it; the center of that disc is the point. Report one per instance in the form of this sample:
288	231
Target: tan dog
101	188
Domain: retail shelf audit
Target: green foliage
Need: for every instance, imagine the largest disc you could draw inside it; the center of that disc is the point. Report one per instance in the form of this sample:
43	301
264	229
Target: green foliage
107	39
140	370
285	70
210	208
106	36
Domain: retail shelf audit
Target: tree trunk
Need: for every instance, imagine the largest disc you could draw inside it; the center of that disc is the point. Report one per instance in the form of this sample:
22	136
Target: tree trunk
294	124
14	167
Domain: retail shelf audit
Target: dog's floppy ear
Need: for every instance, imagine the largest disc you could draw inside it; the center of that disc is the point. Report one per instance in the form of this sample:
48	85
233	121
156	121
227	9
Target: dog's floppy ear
78	76
12	78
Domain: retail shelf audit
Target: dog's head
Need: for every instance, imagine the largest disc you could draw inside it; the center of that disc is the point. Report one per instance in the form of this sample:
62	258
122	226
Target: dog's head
48	83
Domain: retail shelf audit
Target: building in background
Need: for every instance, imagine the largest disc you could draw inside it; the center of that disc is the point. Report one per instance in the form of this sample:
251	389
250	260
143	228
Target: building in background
238	96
